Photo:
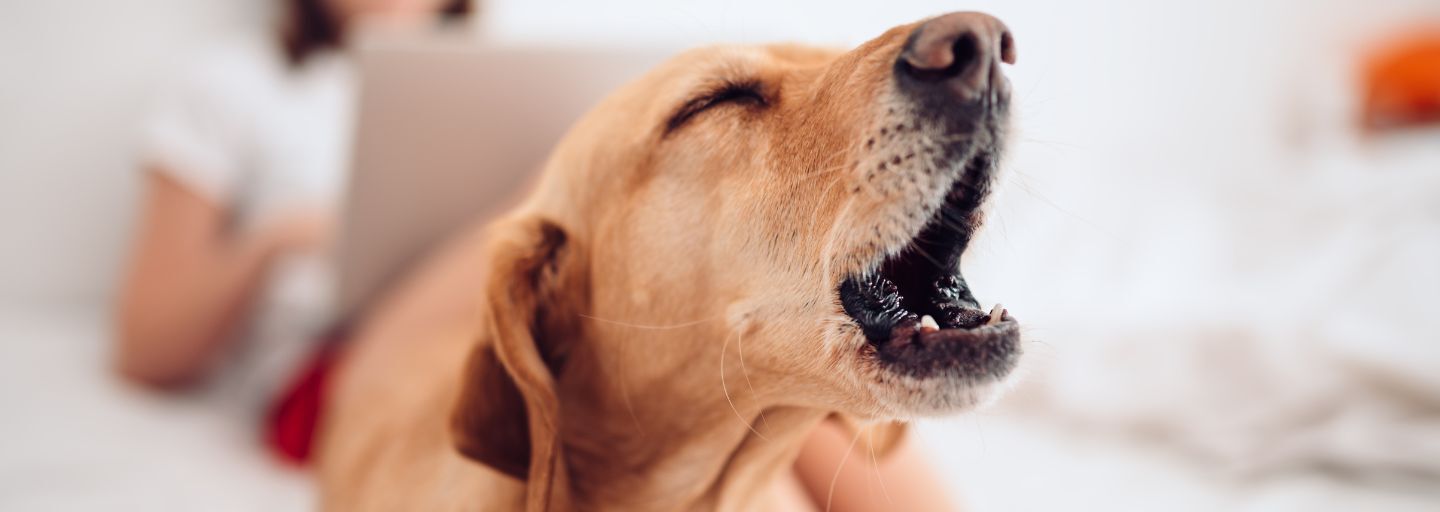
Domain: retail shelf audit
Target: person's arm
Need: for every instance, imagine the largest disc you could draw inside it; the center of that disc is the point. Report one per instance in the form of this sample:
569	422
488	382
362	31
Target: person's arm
189	281
859	483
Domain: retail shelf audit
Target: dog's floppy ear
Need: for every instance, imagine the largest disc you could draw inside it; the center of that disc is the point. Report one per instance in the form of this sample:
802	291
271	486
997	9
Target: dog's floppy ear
879	438
508	413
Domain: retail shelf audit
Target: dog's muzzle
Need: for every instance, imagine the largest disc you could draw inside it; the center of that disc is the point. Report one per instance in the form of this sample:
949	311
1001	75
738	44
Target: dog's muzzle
915	308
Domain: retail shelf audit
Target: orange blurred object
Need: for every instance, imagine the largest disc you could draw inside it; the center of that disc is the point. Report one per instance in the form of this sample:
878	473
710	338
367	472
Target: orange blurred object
1401	81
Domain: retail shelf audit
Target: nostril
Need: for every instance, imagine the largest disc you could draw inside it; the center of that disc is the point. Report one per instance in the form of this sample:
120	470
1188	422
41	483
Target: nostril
962	55
966	51
1007	47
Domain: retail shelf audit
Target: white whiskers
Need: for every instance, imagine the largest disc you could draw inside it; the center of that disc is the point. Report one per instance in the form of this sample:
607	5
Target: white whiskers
875	467
830	495
724	347
740	343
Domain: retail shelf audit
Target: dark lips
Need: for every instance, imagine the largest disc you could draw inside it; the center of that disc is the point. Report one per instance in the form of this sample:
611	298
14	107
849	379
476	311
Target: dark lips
987	352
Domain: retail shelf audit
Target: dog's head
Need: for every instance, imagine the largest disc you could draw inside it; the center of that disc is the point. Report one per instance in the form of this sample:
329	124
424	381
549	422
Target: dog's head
794	213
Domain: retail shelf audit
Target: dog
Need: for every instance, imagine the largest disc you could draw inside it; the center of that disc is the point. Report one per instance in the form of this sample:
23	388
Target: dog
722	254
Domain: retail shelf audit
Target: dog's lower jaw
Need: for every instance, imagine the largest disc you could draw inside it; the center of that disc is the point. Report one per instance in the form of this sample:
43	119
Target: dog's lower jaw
910	399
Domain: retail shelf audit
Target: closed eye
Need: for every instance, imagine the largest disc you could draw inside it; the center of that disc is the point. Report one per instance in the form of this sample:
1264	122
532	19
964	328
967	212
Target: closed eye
734	92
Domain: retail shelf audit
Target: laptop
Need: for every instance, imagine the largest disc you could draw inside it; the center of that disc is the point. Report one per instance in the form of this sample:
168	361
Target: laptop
450	130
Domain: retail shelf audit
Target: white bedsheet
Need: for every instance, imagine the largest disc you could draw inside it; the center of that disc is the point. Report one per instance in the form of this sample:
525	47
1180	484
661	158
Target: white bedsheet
74	438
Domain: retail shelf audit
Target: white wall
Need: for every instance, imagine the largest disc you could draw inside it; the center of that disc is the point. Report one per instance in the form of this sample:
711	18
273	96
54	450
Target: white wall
74	78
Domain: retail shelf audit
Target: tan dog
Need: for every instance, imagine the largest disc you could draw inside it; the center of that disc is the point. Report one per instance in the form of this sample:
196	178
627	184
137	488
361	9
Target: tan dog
719	256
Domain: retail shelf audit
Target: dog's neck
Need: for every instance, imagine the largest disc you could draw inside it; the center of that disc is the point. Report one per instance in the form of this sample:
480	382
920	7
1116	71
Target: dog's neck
672	439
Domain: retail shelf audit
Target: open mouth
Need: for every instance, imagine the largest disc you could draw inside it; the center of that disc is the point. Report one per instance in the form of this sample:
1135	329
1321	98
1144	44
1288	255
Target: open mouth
918	313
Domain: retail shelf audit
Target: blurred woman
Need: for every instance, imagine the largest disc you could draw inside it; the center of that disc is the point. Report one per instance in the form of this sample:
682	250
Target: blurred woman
244	160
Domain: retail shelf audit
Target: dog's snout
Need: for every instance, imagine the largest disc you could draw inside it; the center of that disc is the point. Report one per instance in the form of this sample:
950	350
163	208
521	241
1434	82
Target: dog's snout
956	54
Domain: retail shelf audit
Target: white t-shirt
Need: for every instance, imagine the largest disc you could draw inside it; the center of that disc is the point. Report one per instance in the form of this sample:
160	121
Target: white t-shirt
252	132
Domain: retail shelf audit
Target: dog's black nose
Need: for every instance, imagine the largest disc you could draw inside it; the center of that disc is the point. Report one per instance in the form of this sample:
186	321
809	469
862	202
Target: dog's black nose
958	54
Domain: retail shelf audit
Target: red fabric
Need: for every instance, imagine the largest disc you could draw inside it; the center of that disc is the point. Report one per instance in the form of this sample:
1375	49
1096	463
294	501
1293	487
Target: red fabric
294	416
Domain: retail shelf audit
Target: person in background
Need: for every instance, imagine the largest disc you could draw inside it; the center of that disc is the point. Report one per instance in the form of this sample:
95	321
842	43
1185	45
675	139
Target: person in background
228	286
244	160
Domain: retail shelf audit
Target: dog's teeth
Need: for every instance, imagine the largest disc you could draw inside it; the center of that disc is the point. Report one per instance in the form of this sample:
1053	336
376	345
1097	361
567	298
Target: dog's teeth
928	324
995	314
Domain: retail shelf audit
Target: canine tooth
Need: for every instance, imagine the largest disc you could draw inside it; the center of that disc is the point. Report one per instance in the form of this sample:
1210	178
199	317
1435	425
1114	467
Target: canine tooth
995	314
928	324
